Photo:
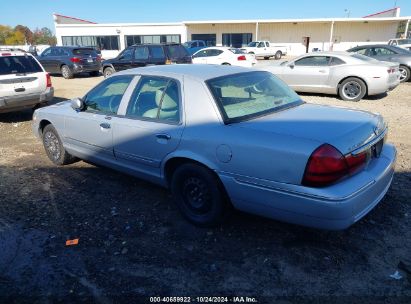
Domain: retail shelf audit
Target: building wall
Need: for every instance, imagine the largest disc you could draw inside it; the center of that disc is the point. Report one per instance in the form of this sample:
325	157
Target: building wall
289	34
118	30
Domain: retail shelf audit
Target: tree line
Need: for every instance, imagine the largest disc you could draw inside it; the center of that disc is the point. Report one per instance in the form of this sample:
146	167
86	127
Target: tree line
21	34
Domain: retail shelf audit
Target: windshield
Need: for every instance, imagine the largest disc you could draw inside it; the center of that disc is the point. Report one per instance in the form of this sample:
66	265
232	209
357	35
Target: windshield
18	65
85	52
404	41
248	95
253	44
399	50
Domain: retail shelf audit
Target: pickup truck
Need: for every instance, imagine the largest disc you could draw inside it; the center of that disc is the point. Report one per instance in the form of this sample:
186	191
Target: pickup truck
265	49
194	46
401	42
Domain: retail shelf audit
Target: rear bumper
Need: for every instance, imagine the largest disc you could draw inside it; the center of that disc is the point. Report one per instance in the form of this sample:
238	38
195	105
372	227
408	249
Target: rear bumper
379	86
13	103
334	208
77	68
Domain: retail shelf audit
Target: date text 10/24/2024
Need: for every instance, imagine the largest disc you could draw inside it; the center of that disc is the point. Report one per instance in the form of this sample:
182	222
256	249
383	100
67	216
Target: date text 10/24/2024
204	299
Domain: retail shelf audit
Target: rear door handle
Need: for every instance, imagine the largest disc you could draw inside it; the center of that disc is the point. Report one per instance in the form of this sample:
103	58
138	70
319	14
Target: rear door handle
105	125
163	136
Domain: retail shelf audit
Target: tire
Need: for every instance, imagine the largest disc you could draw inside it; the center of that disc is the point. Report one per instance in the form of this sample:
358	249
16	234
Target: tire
352	89
66	72
278	55
107	72
405	73
54	147
199	195
225	63
266	58
94	73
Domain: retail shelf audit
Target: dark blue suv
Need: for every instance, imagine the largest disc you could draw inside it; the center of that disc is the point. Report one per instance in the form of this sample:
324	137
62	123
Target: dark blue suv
70	60
140	55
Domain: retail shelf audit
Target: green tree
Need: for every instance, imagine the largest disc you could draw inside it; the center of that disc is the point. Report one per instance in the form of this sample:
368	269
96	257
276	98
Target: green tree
16	38
28	34
44	36
5	31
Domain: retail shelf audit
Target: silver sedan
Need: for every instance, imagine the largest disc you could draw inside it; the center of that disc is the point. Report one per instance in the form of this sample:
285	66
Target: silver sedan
221	136
351	76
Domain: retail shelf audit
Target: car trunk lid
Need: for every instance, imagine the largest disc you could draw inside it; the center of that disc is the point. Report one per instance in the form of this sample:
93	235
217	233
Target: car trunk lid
346	129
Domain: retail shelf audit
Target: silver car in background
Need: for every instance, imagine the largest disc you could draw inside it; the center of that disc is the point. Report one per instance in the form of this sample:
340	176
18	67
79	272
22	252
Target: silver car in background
351	76
221	136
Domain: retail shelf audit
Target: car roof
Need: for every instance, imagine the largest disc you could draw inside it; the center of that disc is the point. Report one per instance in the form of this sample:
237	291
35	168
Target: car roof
156	44
6	53
223	48
200	72
372	45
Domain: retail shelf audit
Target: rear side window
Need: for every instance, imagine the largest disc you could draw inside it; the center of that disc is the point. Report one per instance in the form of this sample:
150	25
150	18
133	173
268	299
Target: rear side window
177	51
313	61
336	61
84	52
18	65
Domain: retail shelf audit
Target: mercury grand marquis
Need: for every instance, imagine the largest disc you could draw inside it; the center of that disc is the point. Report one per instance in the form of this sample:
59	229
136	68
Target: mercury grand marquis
222	136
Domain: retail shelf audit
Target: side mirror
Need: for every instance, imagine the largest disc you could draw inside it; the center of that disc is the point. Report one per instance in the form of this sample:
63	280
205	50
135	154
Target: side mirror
77	104
291	65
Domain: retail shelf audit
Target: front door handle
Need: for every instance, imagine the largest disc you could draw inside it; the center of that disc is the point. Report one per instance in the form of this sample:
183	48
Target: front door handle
105	125
163	136
322	71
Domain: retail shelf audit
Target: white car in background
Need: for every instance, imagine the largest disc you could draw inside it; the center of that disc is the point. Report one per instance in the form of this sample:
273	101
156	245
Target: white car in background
23	81
351	76
224	56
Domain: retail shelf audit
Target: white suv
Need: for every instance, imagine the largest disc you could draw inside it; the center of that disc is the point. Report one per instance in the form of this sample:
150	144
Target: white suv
23	81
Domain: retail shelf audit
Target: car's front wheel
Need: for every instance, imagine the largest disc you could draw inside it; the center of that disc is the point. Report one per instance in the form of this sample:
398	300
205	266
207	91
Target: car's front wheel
352	89
107	72
66	72
199	194
54	147
405	73
278	55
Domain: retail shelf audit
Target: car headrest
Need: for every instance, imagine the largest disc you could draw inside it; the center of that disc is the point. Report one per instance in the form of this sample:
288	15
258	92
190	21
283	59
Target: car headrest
168	103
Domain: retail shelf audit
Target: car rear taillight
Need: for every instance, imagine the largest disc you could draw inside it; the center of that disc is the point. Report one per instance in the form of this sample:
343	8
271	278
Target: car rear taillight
391	71
168	61
242	57
98	58
48	80
327	165
75	59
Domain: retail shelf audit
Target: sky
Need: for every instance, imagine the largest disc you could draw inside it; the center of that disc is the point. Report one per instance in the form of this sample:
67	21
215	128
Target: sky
38	13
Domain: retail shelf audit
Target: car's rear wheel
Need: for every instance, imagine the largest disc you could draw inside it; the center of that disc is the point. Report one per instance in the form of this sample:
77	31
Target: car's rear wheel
225	63
352	89
94	73
107	72
66	72
405	73
199	194
54	147
278	55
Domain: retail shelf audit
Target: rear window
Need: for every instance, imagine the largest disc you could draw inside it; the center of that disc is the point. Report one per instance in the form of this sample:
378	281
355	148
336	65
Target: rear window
84	52
237	51
18	65
177	51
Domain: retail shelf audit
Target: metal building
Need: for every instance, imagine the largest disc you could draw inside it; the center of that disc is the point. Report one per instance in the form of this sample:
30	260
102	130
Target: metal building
299	35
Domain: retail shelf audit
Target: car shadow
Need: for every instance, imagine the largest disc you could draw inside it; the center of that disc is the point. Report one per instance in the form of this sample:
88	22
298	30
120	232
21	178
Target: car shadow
80	75
372	97
26	114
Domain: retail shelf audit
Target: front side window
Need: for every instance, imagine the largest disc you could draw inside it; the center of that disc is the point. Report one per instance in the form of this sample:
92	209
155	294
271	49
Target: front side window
46	53
248	95
313	61
106	97
361	51
155	98
127	54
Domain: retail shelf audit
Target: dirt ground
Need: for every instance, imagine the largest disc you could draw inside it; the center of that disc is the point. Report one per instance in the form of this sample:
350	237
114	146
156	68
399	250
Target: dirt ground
133	243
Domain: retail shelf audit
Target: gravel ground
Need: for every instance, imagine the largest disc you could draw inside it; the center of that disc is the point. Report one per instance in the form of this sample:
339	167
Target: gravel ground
133	244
